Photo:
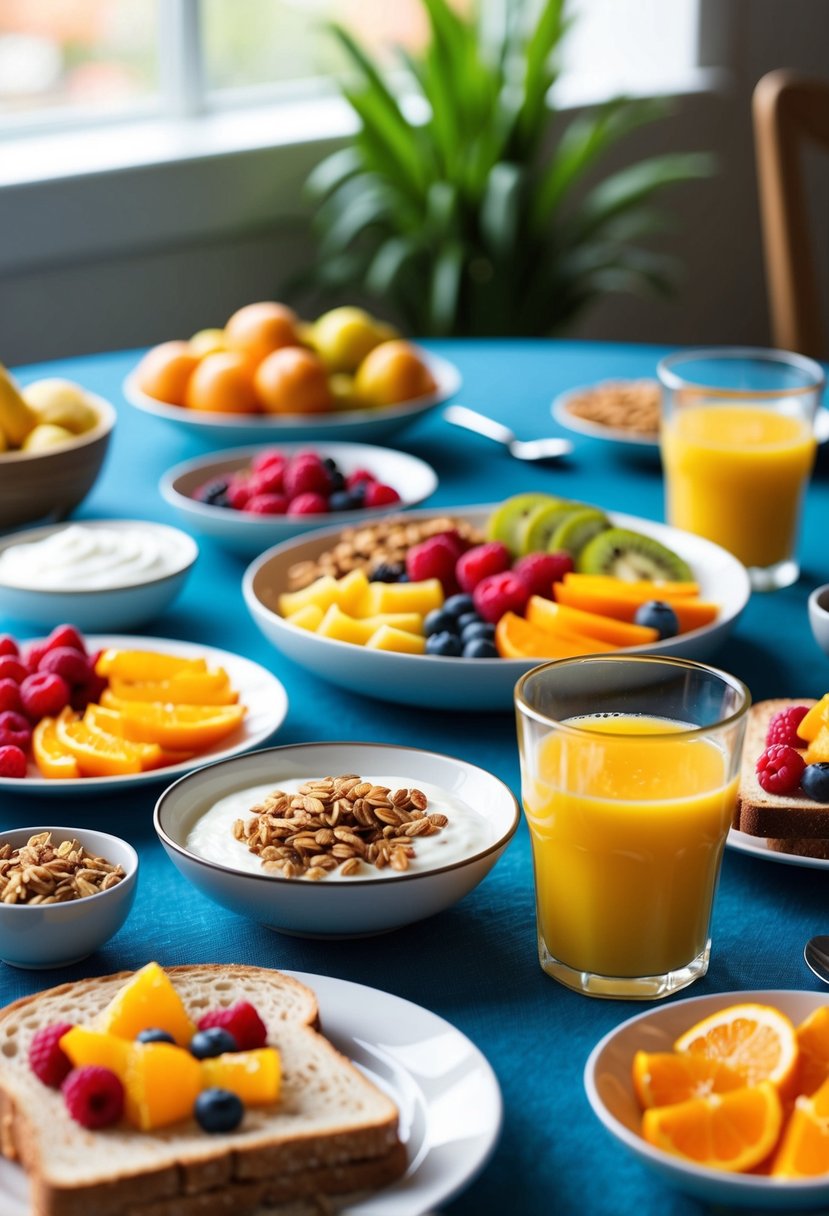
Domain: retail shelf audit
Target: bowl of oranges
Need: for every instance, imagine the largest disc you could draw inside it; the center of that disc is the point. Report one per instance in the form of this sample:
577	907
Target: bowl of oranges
724	1096
268	375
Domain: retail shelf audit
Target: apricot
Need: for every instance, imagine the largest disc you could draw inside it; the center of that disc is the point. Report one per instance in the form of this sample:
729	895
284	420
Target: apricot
222	383
293	381
165	372
390	373
258	329
344	336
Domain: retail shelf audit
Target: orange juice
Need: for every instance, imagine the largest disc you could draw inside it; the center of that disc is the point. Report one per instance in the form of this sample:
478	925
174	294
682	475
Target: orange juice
736	474
627	835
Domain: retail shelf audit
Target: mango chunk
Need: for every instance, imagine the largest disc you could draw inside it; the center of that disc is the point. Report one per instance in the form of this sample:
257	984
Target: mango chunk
84	1046
818	750
254	1076
816	718
341	627
389	638
419	597
308	617
148	999
161	1084
350	590
322	592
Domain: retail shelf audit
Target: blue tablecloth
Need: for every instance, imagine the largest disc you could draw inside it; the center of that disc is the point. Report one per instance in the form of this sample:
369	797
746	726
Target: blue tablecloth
476	964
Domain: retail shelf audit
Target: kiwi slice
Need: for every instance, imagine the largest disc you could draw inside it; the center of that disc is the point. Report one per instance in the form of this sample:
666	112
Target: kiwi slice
630	555
506	521
542	522
577	529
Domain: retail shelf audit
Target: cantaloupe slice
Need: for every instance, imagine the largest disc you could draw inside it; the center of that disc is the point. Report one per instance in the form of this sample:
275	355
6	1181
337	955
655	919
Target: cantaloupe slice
691	613
643	589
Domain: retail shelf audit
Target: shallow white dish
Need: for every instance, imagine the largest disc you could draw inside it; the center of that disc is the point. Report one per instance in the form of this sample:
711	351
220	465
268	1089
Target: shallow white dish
373	903
363	425
755	846
607	1080
447	1094
597	430
478	684
261	692
123	606
249	534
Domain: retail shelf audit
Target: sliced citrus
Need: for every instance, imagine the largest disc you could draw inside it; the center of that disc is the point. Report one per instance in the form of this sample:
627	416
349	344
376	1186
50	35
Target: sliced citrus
151	754
516	638
161	1084
96	753
757	1041
177	727
144	664
52	757
813	1042
199	688
732	1131
661	1078
642	589
804	1148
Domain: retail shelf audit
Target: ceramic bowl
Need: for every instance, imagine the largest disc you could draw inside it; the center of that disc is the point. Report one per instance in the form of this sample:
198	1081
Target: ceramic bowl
819	616
607	1080
55	935
50	484
249	534
122	606
336	906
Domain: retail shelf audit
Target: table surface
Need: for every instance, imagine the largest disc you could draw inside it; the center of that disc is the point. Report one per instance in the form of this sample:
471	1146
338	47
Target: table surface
476	964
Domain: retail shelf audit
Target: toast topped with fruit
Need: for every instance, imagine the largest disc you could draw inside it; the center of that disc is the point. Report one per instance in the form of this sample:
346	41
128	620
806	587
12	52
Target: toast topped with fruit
203	1090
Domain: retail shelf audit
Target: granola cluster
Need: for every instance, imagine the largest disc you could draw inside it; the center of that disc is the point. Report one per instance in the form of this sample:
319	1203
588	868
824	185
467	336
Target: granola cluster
42	873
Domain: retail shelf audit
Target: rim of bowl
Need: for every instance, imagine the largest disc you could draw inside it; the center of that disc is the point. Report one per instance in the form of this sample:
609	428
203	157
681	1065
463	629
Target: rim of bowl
502	841
107	416
130	871
819	600
28	536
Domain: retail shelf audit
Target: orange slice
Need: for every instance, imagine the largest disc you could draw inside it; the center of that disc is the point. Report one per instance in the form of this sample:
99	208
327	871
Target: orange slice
547	614
148	998
804	1148
757	1041
813	1042
52	757
661	1078
690	612
254	1076
144	664
642	589
732	1131
111	723
197	688
96	753
516	638
176	727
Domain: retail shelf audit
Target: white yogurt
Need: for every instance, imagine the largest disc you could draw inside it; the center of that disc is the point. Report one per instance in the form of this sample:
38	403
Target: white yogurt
467	832
83	558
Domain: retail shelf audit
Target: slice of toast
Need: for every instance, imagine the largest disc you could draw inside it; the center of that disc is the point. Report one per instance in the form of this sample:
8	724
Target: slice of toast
791	823
332	1131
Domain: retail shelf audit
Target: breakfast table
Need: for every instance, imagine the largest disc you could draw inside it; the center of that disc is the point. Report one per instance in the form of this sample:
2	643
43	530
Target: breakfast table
474	965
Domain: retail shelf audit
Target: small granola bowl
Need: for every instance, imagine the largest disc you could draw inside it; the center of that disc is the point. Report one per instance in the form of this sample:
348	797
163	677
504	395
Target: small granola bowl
39	931
448	823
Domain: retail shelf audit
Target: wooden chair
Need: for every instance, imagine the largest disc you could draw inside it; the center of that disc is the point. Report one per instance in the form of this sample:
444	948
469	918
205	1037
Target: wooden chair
788	110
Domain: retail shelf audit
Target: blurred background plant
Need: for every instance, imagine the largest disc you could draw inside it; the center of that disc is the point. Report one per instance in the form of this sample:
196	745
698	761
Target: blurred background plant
460	203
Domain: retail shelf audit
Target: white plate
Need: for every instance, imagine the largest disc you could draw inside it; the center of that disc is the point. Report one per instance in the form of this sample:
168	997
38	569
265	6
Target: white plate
249	534
607	1080
755	846
261	692
366	425
446	1092
476	684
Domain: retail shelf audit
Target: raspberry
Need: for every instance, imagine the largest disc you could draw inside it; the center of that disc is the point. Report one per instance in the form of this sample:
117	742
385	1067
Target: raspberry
46	1060
239	492
44	694
481	561
358	477
34	653
243	1022
267	504
12	761
65	635
500	593
12	668
308	504
8	645
306	474
94	1096
90	691
15	730
269	460
269	480
780	769
436	557
68	663
783	726
540	570
10	695
379	495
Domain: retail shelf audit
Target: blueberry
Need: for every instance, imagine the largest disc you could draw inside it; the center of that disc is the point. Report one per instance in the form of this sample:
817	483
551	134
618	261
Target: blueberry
212	1042
480	648
153	1035
815	781
218	1110
330	463
439	621
444	643
459	604
336	479
343	500
467	618
656	614
387	572
214	493
477	629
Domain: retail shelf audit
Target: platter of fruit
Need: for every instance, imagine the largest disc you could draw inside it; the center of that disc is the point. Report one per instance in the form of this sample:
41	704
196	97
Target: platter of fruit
94	714
449	610
250	498
267	375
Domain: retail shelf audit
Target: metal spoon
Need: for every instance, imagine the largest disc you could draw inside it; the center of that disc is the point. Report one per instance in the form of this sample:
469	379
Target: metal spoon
532	449
816	954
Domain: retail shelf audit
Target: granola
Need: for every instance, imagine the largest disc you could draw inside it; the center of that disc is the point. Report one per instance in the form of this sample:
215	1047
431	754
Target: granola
41	872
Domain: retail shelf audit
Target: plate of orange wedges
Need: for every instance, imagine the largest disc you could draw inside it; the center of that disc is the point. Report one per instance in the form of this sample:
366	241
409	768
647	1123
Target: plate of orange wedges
162	708
724	1096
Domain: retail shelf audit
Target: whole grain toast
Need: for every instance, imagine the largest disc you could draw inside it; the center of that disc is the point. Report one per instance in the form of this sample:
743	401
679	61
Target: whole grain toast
331	1132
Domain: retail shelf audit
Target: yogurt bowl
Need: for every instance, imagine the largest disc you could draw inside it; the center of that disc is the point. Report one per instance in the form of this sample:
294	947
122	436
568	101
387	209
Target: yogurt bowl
106	574
476	817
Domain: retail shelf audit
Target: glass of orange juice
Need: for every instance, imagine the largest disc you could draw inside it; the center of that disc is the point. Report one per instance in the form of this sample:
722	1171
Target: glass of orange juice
738	446
629	768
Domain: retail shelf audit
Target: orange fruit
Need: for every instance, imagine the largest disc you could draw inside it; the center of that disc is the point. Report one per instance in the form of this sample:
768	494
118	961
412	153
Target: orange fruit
729	1131
804	1148
147	998
254	1076
293	381
691	612
392	372
196	688
642	589
661	1078
757	1041
152	756
258	329
516	638
84	1046
177	727
555	618
144	664
165	372
222	384
813	1042
52	757
97	754
161	1084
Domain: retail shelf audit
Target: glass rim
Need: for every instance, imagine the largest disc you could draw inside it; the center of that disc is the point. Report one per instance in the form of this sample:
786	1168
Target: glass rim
734	682
671	379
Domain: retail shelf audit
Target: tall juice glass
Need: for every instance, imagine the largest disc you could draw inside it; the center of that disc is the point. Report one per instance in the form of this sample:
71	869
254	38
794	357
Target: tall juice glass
738	446
629	771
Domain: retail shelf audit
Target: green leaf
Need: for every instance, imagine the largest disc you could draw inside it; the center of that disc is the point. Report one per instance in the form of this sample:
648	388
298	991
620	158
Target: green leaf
442	213
501	209
368	209
634	184
389	263
333	171
539	73
447	274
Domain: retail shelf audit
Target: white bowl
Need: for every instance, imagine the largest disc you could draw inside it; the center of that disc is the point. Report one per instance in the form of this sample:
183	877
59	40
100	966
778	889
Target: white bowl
819	616
607	1080
366	425
437	682
337	907
122	606
249	534
55	935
